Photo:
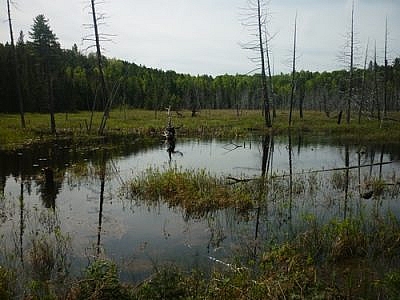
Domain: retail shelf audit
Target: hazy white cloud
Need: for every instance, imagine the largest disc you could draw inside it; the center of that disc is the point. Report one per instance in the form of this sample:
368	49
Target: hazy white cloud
200	37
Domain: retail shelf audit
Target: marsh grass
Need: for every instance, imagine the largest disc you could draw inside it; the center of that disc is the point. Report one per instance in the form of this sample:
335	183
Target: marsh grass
214	123
324	262
197	192
7	283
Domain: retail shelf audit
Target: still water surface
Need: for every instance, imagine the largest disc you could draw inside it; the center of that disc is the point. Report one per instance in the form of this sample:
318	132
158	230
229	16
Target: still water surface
98	219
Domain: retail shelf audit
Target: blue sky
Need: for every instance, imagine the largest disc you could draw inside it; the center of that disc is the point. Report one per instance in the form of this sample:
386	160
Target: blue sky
204	36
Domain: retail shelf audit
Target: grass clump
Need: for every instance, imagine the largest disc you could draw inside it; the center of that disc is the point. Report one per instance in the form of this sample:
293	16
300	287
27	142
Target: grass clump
100	282
197	192
7	284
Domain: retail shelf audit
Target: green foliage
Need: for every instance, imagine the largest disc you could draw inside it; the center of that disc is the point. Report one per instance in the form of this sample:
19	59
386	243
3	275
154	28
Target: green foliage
392	283
75	77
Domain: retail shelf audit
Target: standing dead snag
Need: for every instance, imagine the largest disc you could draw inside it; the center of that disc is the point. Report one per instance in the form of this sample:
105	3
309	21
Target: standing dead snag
293	72
15	62
351	67
106	99
256	10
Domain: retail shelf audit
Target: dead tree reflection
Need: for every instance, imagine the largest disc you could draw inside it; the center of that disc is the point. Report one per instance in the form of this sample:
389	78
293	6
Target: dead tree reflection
102	176
266	165
347	172
21	211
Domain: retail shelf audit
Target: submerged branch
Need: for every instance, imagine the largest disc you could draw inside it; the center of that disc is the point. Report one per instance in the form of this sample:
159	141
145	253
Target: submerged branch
239	180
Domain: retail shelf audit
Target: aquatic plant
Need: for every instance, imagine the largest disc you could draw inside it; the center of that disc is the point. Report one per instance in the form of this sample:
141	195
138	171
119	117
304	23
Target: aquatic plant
197	192
100	282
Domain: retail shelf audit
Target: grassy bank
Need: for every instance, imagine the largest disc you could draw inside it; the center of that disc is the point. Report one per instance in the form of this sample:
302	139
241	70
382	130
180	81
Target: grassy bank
207	123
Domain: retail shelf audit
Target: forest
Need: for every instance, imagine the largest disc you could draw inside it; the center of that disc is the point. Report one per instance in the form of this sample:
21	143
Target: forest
74	84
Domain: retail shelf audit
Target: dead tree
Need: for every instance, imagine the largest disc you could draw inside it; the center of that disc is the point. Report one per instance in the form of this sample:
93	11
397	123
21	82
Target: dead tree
351	66
271	85
385	86
362	100
256	19
106	99
376	95
15	63
293	71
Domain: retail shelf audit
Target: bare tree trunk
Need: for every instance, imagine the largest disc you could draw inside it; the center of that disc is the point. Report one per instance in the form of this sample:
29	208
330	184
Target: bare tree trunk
293	71
351	66
16	72
386	75
51	103
267	115
271	85
361	105
376	96
105	102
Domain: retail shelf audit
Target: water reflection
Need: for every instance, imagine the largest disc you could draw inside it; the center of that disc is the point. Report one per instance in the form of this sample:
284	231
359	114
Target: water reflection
102	176
82	199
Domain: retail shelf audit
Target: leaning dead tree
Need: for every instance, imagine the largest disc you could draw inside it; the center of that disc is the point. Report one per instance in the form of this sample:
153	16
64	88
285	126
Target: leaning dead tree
106	99
15	63
255	18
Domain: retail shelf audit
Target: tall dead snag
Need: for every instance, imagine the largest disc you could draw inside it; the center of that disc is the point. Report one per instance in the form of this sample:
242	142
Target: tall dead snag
386	74
351	66
256	11
376	95
106	102
363	85
267	114
16	72
271	85
293	71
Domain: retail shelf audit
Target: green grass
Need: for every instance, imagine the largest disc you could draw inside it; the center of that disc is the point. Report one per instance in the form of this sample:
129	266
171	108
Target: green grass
207	123
197	192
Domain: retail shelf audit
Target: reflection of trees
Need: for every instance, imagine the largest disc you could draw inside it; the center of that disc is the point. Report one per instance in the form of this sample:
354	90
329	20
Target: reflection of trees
49	187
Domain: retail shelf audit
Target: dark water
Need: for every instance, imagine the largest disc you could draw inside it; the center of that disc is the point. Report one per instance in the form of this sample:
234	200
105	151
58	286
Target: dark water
86	213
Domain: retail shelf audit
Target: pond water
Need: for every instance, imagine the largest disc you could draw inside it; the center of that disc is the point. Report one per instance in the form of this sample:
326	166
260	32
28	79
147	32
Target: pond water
88	215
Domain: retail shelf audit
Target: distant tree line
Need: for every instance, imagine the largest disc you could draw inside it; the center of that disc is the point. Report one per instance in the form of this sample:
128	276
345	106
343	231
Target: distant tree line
68	80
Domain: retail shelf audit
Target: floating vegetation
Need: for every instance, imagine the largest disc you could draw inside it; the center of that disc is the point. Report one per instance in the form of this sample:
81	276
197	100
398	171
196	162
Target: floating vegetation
197	192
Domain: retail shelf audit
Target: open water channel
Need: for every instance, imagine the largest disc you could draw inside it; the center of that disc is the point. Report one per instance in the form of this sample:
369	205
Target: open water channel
85	212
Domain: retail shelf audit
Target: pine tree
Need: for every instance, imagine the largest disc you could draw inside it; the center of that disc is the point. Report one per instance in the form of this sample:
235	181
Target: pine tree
46	50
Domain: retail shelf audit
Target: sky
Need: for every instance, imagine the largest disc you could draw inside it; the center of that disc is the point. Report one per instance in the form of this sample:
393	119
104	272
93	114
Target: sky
206	36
